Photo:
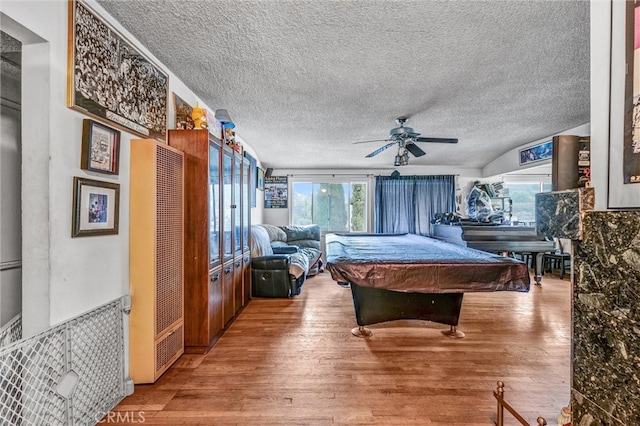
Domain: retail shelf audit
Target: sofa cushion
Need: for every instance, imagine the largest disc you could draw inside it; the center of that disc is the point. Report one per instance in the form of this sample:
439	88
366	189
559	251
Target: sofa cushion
275	244
260	243
303	236
275	233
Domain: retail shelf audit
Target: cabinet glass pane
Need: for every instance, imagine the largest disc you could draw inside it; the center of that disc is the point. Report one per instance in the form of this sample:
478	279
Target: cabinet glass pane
227	181
246	205
237	174
214	204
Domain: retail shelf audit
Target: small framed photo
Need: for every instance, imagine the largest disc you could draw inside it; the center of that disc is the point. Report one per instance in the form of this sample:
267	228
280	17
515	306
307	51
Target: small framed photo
95	207
260	179
100	148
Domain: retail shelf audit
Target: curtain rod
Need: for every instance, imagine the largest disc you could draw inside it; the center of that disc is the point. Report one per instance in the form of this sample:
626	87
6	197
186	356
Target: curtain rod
330	174
355	174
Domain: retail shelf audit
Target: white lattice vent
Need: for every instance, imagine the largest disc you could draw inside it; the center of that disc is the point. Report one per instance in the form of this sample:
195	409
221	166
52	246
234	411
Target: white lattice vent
168	347
169	202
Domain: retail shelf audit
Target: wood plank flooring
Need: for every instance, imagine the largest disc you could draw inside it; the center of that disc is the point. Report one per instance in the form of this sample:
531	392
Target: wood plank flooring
295	362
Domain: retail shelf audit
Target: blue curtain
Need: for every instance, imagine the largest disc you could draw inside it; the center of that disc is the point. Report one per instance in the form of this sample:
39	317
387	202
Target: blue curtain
408	203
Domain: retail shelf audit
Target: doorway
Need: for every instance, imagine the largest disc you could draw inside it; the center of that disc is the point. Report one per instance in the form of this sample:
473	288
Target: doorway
10	179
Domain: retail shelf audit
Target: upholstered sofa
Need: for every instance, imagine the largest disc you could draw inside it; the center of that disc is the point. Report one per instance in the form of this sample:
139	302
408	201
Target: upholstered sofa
283	257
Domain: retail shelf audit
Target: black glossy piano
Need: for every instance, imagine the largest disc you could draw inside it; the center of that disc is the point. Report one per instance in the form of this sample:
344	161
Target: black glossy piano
498	239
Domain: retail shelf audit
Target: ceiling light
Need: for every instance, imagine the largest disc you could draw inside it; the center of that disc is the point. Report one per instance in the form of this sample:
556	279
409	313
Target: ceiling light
405	159
402	159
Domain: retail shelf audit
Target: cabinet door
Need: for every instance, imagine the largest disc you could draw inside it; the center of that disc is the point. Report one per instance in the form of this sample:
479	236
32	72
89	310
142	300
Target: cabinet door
246	277
246	204
227	292
227	202
215	301
237	284
237	205
214	204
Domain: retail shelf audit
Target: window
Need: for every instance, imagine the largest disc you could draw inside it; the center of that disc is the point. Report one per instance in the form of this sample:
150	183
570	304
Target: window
523	196
337	206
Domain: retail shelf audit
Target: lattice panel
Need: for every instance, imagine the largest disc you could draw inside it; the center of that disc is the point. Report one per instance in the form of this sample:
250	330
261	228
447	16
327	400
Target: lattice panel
11	331
97	356
168	347
169	208
31	369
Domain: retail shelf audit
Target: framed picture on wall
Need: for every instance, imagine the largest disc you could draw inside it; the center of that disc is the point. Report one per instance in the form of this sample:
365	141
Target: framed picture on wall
100	148
533	154
95	207
260	179
276	193
111	80
624	107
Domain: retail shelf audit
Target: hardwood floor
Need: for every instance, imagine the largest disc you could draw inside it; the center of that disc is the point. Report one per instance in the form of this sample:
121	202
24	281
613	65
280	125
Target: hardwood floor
295	362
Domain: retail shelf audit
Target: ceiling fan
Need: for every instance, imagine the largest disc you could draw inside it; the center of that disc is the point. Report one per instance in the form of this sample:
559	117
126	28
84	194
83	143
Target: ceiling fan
406	140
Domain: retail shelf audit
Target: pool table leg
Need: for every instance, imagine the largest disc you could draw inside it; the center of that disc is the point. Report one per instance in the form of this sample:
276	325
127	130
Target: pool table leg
361	331
453	332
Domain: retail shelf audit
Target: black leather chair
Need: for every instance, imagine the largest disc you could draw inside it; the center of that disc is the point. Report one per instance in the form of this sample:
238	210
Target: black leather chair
270	277
275	271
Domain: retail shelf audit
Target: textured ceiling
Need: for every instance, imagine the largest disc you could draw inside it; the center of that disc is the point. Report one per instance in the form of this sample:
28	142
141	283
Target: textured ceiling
303	80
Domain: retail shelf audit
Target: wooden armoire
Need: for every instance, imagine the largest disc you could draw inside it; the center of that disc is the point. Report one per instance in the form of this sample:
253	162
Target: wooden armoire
216	253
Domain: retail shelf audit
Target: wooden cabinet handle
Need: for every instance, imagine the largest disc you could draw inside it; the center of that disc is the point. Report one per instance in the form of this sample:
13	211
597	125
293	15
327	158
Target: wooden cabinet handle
228	270
215	277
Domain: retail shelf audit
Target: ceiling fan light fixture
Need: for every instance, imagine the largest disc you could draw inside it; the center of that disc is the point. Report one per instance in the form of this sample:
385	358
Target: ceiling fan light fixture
406	139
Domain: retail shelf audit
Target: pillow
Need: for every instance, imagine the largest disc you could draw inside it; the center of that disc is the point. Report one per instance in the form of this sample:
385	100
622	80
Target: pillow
275	233
304	232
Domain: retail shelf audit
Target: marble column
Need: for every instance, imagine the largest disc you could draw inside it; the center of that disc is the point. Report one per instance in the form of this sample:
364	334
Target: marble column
605	364
606	320
558	212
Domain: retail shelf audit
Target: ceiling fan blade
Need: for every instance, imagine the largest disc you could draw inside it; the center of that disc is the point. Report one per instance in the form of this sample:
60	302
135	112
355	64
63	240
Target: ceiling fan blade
377	140
379	150
414	149
437	140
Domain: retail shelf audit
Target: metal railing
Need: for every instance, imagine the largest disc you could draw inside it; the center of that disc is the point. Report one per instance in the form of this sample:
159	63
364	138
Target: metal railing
71	374
502	405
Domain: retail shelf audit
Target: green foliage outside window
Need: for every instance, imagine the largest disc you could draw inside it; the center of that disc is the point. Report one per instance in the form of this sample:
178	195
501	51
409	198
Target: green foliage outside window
336	207
358	208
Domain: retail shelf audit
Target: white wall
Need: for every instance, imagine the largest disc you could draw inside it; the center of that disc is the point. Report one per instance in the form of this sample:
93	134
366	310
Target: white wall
63	276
